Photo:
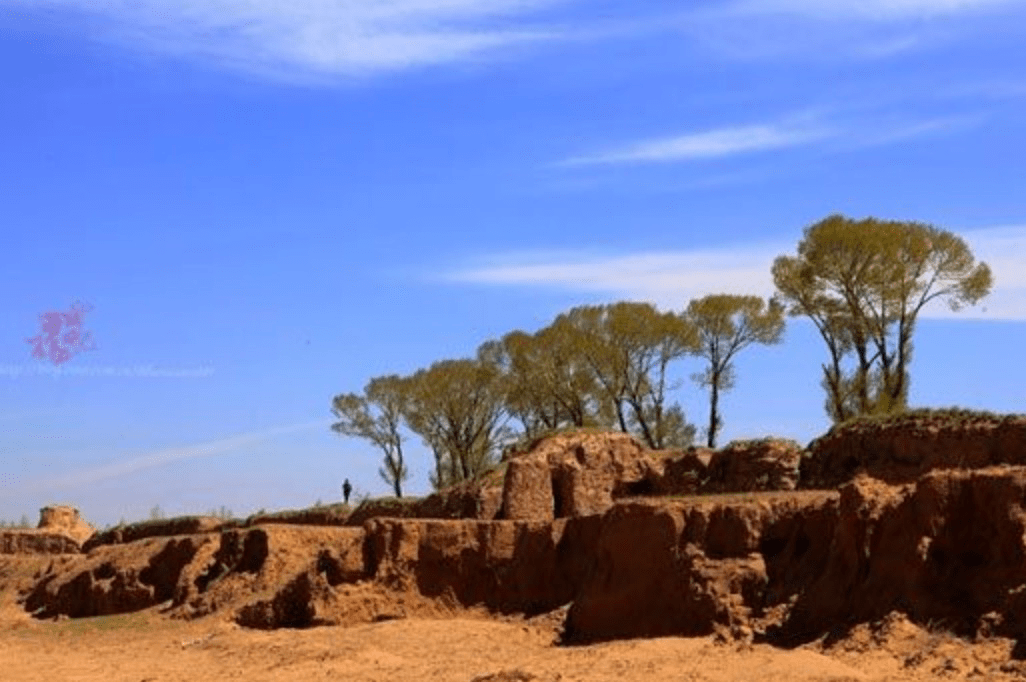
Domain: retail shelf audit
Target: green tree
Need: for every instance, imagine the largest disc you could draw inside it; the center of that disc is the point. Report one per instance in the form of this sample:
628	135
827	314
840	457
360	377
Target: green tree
726	325
458	408
377	416
863	284
627	347
546	385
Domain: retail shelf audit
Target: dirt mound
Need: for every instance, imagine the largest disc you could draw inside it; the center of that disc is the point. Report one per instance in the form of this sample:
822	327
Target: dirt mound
472	500
574	474
742	466
65	520
903	447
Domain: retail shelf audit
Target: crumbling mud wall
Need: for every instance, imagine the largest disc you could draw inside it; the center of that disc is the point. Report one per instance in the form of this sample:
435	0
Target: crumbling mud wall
471	500
574	474
683	568
60	531
525	567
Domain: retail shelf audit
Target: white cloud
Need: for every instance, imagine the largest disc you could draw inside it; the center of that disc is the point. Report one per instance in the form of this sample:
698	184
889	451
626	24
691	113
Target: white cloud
668	279
802	130
671	279
320	37
709	144
169	456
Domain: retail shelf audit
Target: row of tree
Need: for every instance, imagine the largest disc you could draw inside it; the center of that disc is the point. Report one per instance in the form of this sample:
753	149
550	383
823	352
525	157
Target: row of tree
862	283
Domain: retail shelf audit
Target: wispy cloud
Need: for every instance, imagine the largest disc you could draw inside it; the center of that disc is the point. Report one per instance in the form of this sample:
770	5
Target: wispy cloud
709	144
670	279
170	456
311	37
796	131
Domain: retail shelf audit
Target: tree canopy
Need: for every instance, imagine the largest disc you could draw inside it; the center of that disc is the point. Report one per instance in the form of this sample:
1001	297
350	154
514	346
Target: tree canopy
377	416
626	349
863	284
726	325
458	408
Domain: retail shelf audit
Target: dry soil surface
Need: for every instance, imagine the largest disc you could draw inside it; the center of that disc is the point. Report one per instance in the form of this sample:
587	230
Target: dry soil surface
148	647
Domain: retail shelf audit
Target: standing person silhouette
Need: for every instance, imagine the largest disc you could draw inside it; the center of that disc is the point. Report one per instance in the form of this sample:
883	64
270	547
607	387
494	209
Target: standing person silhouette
347	490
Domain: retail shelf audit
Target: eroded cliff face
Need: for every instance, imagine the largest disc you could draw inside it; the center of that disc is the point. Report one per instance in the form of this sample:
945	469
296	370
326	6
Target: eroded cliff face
950	548
788	567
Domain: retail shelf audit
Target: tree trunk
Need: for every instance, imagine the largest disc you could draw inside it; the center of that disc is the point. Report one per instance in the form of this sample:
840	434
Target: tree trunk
714	417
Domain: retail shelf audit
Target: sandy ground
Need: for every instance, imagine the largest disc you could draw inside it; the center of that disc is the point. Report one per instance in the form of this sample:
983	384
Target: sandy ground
146	647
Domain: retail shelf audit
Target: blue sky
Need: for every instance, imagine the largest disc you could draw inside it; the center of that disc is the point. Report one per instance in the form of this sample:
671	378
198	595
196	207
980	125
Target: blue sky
268	203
